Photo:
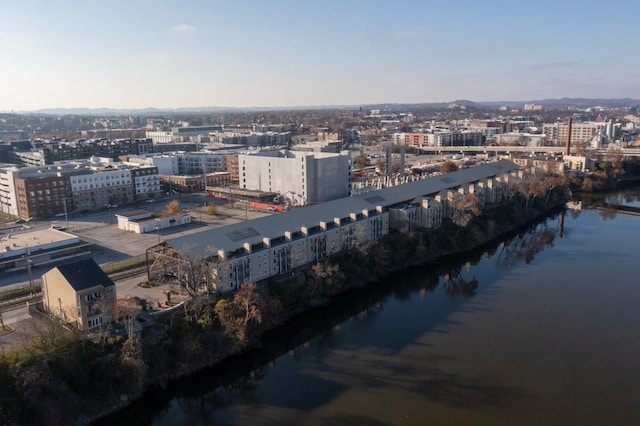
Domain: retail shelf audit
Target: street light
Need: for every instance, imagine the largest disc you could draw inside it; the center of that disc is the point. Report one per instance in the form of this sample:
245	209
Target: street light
158	229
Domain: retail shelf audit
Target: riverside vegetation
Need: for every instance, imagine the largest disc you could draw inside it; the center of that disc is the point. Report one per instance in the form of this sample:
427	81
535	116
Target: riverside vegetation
61	377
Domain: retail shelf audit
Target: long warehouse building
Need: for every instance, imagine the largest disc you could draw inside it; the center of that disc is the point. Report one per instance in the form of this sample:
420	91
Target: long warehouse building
272	245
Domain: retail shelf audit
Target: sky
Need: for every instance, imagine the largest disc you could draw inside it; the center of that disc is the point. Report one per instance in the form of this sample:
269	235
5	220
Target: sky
261	53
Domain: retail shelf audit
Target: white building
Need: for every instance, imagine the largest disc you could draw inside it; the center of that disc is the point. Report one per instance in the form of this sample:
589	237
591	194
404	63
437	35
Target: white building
521	139
142	221
302	177
594	134
167	164
8	202
160	137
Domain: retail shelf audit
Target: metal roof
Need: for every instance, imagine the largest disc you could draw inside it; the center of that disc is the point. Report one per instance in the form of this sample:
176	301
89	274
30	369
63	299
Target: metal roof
233	237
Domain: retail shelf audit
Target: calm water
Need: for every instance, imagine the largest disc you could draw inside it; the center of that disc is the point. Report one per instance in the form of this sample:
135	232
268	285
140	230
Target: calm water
551	342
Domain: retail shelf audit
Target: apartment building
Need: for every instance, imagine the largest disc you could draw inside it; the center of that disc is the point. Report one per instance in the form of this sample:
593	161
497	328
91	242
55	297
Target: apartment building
8	202
273	245
74	186
504	126
181	184
442	137
146	183
232	168
595	134
199	162
85	148
102	186
40	191
183	163
218	179
251	139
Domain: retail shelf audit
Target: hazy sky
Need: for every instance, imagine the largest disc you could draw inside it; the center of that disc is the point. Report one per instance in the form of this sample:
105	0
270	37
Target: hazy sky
188	53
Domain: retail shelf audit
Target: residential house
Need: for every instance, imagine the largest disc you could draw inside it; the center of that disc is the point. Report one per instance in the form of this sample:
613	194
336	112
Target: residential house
80	293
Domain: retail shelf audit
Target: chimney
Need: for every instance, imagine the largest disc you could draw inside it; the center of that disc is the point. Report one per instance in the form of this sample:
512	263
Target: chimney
567	149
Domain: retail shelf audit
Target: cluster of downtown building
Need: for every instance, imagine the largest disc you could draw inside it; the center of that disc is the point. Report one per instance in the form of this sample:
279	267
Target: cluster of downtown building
595	135
45	177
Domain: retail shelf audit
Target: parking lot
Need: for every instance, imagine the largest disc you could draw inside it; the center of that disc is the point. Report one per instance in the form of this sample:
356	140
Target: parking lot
112	245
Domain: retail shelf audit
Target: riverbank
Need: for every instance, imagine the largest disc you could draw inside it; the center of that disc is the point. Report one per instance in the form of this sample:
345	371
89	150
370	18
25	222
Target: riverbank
281	301
95	377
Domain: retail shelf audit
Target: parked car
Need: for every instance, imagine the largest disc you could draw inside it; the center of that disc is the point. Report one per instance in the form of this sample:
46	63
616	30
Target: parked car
58	227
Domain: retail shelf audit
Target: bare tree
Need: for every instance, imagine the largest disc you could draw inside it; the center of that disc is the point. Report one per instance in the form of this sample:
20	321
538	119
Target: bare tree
321	274
173	206
465	207
249	302
191	270
539	185
615	157
243	313
581	147
448	167
361	161
105	306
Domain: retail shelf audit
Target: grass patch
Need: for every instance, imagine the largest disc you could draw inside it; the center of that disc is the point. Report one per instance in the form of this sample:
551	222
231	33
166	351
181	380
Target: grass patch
13	294
125	265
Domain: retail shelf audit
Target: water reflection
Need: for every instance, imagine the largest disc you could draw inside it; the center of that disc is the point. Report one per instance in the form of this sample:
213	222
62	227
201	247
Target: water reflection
524	246
413	350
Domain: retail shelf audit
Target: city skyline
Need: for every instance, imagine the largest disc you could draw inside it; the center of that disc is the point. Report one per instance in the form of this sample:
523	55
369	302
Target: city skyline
250	53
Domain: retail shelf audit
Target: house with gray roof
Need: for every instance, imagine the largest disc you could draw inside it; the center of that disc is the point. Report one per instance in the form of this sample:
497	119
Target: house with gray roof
79	293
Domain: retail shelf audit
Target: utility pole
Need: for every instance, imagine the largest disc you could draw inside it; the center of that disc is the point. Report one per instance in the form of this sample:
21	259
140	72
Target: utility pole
2	213
66	217
29	274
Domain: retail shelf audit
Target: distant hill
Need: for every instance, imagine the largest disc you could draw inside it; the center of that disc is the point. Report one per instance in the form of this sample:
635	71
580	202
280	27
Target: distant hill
570	102
561	103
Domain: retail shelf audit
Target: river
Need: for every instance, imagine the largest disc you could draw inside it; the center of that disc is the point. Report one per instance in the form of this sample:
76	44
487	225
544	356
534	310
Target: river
549	337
